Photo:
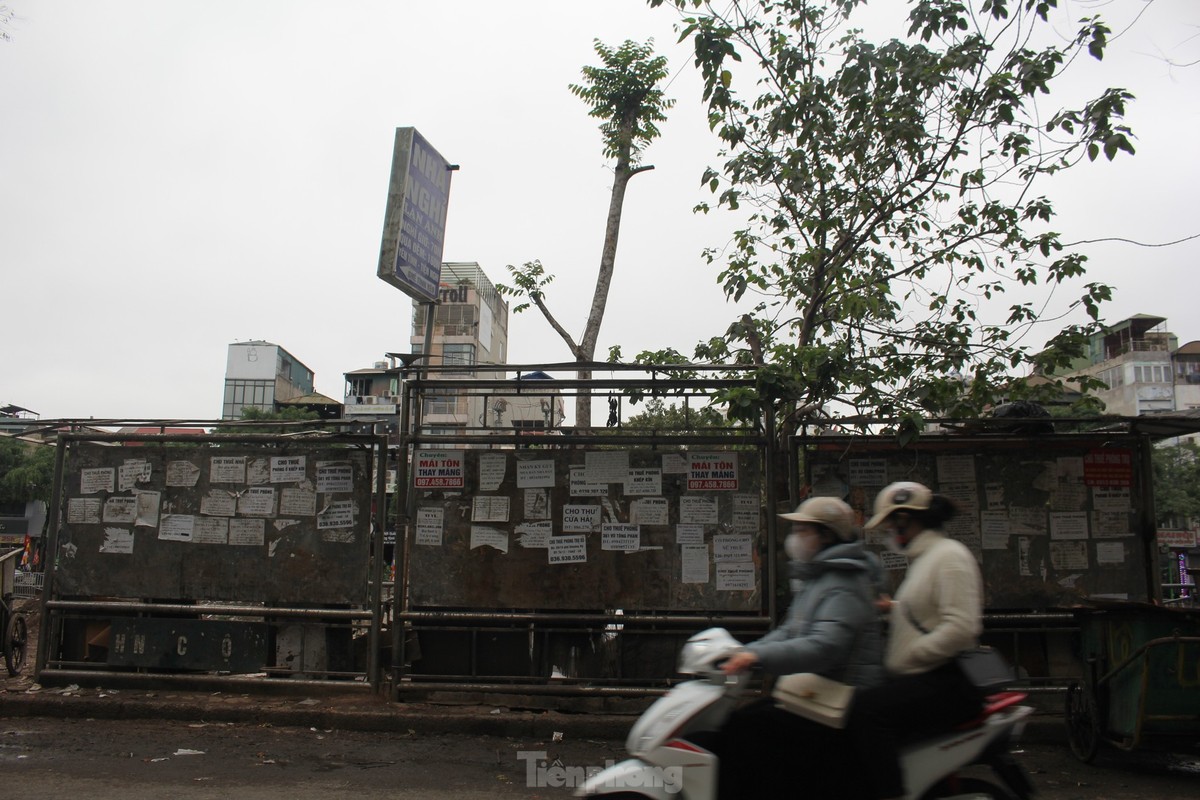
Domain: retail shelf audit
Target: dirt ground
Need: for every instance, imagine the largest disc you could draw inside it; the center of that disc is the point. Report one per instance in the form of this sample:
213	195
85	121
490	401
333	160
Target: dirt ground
137	758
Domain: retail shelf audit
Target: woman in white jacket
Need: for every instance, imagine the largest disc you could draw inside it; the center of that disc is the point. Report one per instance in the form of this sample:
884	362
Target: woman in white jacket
936	614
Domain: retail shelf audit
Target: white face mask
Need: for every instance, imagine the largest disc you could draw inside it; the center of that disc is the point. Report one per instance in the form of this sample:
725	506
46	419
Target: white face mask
800	548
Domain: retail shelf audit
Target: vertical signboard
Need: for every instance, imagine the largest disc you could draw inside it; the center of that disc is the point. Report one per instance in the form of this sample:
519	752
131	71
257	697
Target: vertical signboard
414	224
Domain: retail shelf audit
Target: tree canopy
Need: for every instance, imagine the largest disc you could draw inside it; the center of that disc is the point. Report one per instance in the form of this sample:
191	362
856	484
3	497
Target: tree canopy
893	196
1177	483
624	94
26	471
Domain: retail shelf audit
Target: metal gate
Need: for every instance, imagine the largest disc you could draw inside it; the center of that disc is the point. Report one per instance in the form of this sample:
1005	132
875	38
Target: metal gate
541	558
214	557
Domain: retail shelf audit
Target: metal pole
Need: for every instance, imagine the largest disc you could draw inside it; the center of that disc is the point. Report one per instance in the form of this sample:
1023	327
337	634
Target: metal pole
48	629
376	600
769	475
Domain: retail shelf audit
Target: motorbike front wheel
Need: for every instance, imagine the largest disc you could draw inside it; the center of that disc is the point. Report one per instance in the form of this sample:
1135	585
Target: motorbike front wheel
969	789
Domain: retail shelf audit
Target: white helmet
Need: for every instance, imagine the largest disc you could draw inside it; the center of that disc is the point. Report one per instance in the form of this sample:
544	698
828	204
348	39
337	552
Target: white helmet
828	511
904	494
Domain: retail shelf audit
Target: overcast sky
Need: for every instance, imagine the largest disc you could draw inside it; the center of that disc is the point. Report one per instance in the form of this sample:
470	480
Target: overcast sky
178	176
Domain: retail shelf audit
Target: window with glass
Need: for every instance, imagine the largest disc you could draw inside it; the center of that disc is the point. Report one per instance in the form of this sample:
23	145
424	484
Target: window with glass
458	355
242	393
444	404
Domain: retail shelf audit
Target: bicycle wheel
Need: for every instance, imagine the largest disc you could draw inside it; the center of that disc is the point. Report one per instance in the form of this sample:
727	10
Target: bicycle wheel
16	635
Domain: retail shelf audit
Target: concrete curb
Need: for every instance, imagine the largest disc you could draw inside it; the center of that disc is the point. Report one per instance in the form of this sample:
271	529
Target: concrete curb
362	713
357	713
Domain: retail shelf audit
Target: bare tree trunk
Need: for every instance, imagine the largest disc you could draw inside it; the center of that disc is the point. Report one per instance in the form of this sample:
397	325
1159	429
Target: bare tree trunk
608	257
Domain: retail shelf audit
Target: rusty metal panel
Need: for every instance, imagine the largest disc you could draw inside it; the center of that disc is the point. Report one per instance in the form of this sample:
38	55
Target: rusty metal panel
1052	519
486	524
286	523
197	644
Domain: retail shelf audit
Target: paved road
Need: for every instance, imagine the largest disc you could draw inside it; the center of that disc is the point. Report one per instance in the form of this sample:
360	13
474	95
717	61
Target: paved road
143	759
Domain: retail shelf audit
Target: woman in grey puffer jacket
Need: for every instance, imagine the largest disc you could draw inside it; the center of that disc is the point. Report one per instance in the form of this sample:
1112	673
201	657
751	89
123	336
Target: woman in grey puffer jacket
832	628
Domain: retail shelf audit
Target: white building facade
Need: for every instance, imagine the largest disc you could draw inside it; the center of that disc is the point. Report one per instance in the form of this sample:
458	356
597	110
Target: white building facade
470	327
258	374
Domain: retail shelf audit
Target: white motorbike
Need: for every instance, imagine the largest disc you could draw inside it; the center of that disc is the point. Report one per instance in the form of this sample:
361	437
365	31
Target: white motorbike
667	766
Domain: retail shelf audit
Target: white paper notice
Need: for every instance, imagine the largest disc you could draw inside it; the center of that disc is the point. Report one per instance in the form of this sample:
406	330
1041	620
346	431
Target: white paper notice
735	577
994	525
287	469
147	509
620	536
1069	497
1111	524
1068	525
1110	553
580	519
247	532
674	464
567	549
430	525
994	496
965	496
965	529
258	471
1069	556
689	534
868	471
482	536
606	466
335	476
338	535
643	482
489	508
121	510
210	530
1111	499
257	501
745	513
535	474
732	547
893	561
492	467
338	514
1027	520
96	480
117	540
219	503
697	510
582	487
227	469
649	511
297	502
955	469
694	558
534	535
132	472
537	504
181	474
83	511
176	527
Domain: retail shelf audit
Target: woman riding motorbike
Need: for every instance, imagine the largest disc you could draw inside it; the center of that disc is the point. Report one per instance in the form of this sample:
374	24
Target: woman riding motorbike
831	628
936	614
